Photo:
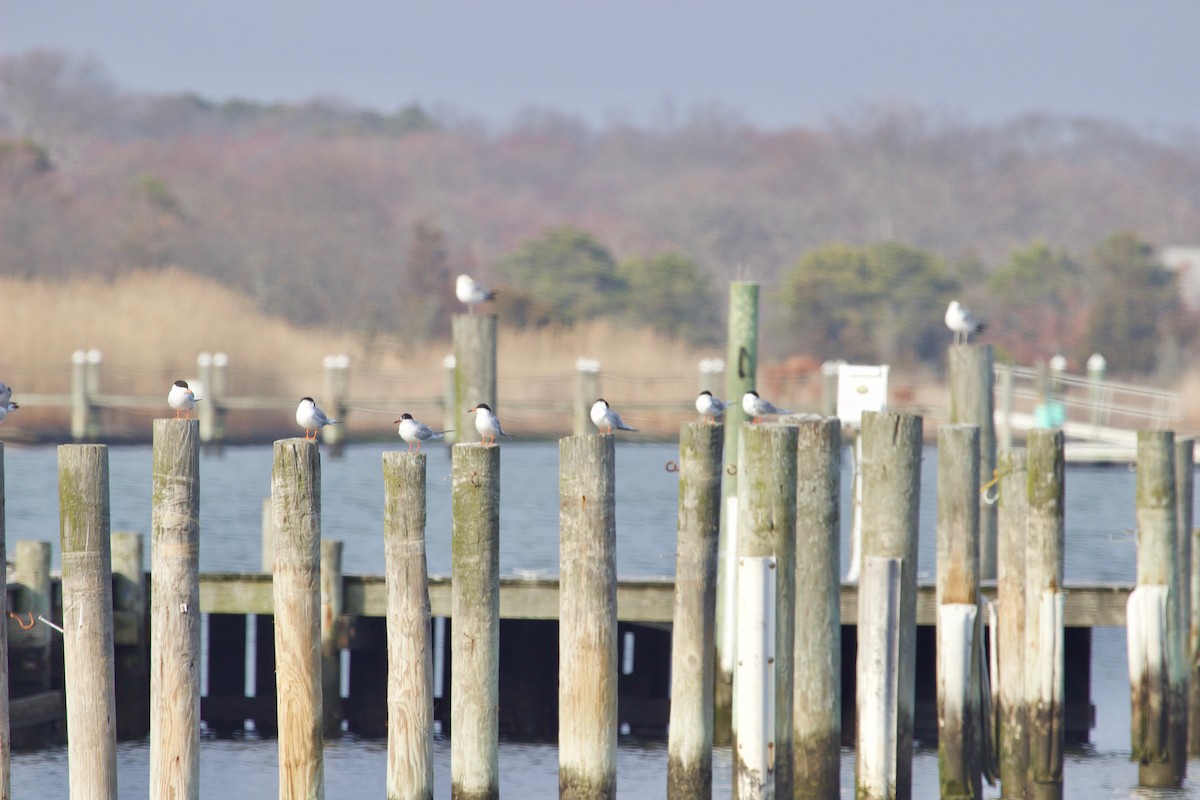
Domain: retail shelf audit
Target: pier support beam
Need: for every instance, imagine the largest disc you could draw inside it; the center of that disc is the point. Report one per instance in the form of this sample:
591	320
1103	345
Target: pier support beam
86	548
1156	668
740	377
475	634
296	498
891	486
817	698
1013	498
689	746
409	633
1044	595
175	611
587	637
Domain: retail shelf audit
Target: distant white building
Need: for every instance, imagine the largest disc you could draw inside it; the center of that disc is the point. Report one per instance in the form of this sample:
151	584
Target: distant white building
1186	262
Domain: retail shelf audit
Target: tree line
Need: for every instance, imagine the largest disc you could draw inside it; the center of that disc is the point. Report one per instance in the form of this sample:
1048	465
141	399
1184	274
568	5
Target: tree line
861	229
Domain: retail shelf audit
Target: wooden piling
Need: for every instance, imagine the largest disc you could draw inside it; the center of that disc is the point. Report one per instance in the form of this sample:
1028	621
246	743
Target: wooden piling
331	634
30	673
766	526
817	700
132	669
1044	665
1013	737
891	481
5	732
474	368
475	609
87	619
337	387
587	389
1159	733
740	377
690	734
175	611
587	666
958	541
409	634
972	401
296	501
1189	584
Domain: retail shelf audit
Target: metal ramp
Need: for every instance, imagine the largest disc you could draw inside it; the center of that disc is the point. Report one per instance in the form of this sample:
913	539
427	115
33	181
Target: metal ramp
1100	418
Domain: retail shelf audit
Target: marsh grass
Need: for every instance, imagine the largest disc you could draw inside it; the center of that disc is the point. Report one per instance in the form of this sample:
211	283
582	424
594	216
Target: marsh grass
151	325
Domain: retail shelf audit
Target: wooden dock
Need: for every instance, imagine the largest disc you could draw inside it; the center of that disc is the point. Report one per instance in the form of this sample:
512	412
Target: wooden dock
237	603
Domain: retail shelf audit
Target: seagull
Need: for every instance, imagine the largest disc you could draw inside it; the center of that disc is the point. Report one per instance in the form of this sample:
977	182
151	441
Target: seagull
415	432
606	419
711	407
758	408
487	423
6	403
470	292
962	322
310	417
182	399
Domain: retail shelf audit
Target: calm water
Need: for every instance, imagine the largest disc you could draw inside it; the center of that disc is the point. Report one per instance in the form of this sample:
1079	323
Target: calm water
1100	546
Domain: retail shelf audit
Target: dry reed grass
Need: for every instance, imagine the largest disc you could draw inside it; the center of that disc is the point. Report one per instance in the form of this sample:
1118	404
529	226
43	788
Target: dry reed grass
151	326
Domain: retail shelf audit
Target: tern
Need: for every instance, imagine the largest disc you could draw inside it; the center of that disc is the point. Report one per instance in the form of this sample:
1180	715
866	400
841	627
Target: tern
758	408
310	417
606	419
182	399
415	432
487	423
711	407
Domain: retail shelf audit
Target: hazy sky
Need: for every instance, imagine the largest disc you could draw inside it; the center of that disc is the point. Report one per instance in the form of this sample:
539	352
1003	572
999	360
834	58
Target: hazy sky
774	63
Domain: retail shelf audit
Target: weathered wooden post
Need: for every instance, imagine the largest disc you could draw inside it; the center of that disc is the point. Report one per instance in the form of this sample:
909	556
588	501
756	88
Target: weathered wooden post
337	388
959	627
475	609
1044	659
132	670
296	500
450	400
690	734
587	389
474	367
1156	674
206	406
85	385
268	535
175	611
331	630
740	377
829	387
817	701
32	574
5	733
1004	379
766	527
891	481
1013	498
409	636
87	619
1189	586
587	638
972	401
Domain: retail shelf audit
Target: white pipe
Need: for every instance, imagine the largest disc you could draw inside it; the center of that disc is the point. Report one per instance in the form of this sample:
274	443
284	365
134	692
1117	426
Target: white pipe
956	634
856	512
1051	684
754	679
878	678
728	597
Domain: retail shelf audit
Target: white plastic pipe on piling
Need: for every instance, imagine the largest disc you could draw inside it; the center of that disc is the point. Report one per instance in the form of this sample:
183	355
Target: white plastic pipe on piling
1046	754
955	654
1146	634
754	681
877	698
